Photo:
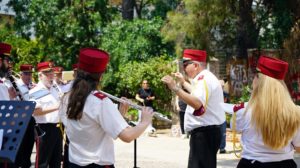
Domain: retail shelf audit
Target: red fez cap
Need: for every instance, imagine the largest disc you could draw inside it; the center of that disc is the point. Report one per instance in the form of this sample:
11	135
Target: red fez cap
75	66
44	66
26	68
272	67
58	69
93	60
194	55
5	48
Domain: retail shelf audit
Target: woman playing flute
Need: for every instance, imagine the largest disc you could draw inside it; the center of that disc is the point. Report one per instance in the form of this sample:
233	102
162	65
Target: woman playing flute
91	119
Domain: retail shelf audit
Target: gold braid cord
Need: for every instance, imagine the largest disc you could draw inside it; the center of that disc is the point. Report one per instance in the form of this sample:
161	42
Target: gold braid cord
237	147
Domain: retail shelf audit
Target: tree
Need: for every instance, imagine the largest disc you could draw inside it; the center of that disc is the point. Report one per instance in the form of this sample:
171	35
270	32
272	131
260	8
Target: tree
242	24
196	23
137	40
128	9
62	26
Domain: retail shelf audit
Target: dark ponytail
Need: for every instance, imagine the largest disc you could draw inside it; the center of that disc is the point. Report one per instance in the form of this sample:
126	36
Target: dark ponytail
83	85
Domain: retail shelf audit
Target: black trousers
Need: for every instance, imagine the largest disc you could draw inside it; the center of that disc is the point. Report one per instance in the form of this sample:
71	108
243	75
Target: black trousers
72	165
245	163
204	144
181	119
50	147
25	150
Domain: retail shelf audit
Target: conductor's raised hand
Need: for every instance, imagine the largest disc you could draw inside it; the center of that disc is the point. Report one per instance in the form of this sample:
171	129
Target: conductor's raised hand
179	77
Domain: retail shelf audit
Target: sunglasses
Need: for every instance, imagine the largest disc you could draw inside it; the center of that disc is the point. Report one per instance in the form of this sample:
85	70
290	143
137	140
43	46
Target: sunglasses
186	63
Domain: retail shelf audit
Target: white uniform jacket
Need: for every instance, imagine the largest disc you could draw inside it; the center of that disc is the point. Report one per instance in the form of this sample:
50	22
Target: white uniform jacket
211	95
91	137
45	98
3	91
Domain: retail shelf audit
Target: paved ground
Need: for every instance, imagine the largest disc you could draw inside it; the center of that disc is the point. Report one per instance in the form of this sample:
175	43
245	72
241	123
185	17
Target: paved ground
164	151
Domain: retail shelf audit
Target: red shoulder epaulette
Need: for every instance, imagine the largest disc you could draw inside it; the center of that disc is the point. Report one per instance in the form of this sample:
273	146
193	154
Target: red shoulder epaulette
237	107
99	95
201	77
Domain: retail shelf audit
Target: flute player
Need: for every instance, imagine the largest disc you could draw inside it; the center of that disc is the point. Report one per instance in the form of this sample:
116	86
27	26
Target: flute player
94	122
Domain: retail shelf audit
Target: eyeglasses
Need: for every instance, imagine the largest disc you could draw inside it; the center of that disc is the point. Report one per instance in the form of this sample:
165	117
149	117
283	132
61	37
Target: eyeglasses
145	83
186	63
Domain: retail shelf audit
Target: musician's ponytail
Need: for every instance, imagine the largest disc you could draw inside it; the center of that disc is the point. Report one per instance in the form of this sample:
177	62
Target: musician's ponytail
83	85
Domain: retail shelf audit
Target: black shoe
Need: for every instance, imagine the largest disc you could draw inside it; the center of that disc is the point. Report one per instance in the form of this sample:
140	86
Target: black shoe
222	151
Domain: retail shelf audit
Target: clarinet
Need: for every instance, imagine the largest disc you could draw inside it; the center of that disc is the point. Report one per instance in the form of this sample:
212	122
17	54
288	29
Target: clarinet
14	84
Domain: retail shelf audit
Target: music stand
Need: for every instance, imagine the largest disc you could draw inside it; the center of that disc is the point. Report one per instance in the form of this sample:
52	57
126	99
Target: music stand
133	124
14	119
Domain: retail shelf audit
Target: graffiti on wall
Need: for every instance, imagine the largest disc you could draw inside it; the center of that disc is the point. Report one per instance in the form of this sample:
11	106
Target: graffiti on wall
238	77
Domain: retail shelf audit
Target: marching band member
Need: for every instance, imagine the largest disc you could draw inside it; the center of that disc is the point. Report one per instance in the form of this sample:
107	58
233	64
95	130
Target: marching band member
47	98
25	82
204	114
4	50
6	89
93	122
24	85
270	123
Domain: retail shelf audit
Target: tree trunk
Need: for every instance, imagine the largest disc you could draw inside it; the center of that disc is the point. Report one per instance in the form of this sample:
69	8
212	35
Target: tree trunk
128	9
247	33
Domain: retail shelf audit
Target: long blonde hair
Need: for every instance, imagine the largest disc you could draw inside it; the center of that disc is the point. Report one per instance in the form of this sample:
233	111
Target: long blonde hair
274	114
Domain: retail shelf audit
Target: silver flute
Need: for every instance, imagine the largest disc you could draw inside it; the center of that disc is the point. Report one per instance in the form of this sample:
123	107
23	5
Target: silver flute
135	106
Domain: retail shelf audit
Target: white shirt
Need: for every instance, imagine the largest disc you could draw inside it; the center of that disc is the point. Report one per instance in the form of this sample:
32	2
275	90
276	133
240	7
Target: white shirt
253	145
214	114
3	91
91	137
23	88
67	87
50	99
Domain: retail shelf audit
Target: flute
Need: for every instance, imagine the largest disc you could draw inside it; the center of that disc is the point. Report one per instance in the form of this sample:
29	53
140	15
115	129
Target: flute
135	106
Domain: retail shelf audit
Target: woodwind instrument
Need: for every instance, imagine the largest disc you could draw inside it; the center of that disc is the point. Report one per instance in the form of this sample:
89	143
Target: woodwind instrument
135	106
11	78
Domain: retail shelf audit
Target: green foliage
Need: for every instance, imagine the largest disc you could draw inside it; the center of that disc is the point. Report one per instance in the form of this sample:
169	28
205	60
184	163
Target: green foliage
136	40
63	27
198	23
131	75
23	51
276	24
159	8
246	93
131	41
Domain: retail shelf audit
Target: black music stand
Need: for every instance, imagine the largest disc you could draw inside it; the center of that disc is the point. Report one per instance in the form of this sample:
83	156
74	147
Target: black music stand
14	119
135	147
